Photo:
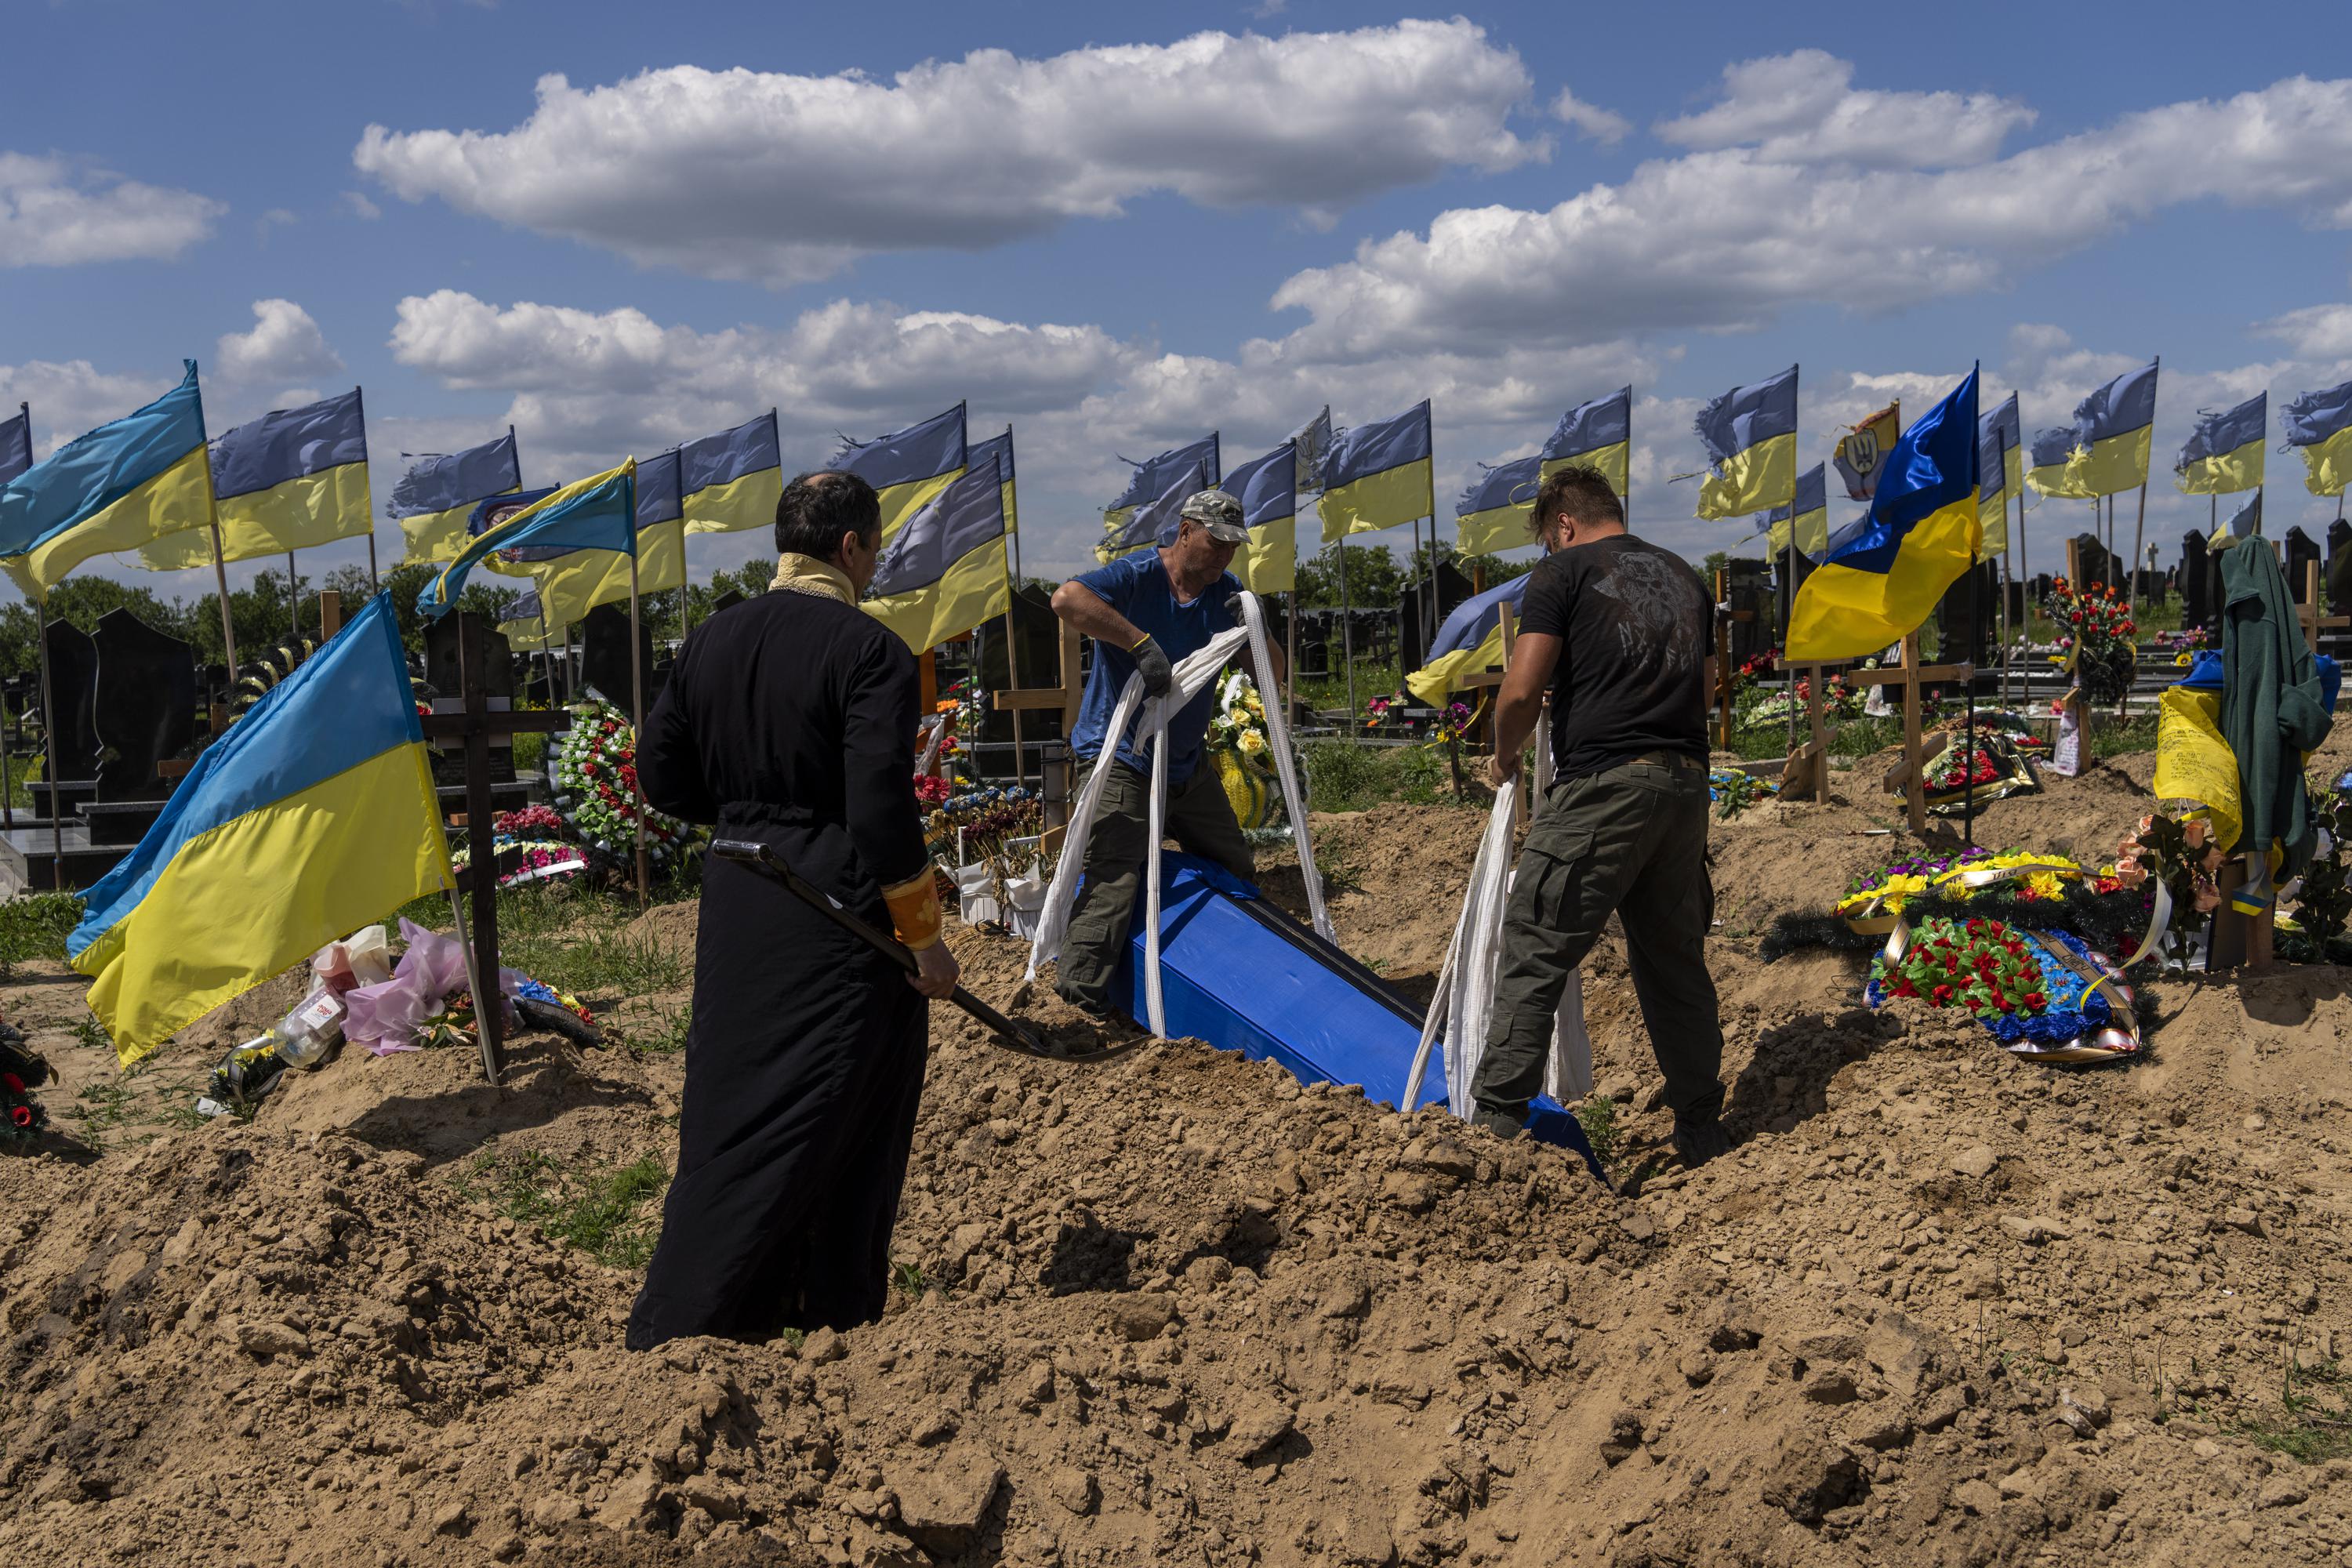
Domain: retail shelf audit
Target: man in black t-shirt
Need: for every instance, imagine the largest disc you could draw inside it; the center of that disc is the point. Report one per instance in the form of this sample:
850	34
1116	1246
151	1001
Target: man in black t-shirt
1616	628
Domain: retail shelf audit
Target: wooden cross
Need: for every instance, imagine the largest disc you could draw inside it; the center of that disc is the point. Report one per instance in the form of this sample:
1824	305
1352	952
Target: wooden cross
1723	675
1910	675
474	724
1063	696
1806	774
2308	612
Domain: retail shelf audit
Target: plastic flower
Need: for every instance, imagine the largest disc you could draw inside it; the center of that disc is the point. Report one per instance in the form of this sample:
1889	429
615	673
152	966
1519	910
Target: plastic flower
1252	744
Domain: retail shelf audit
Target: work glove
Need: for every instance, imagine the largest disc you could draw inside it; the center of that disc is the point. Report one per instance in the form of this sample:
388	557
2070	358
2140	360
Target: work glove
1233	612
1152	664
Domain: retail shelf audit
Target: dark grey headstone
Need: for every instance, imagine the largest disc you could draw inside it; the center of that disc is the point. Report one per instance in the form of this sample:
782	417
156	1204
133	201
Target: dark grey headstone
1957	643
444	674
605	659
2195	580
2091	562
73	693
146	705
2301	553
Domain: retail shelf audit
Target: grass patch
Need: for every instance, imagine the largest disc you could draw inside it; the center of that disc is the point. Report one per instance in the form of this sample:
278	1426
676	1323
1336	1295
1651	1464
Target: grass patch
2313	1425
1598	1117
1342	775
35	927
601	1212
906	1279
595	961
99	1109
1329	692
661	1033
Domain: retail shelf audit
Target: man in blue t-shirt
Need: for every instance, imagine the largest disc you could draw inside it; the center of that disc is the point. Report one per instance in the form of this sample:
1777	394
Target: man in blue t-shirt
1146	611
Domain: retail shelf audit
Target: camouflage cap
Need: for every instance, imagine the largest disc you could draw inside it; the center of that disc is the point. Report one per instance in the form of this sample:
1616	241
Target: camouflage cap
1217	512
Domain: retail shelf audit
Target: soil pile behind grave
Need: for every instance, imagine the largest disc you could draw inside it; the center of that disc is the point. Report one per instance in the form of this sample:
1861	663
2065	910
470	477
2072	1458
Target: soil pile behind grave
1941	1307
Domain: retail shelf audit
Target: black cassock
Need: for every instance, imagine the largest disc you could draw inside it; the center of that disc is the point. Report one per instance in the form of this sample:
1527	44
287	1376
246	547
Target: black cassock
790	719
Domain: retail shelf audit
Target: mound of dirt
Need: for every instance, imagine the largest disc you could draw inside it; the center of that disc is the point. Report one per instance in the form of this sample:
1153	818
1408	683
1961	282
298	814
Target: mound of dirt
1940	1307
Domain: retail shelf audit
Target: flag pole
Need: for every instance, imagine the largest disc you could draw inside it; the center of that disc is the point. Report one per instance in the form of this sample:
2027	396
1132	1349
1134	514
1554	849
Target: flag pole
637	720
220	570
1348	639
1969	725
8	790
293	602
2131	571
50	748
1789	614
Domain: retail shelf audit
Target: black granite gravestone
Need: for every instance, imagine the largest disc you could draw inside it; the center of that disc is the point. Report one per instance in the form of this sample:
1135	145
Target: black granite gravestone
1040	661
1749	583
443	675
2301	554
1957	643
72	743
2091	561
605	661
2195	580
2339	567
1414	623
726	601
145	708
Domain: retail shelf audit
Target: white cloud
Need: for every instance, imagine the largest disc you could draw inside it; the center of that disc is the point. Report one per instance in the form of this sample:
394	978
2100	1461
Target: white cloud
285	345
53	216
1603	125
1723	239
1801	108
2315	332
71	396
783	178
356	203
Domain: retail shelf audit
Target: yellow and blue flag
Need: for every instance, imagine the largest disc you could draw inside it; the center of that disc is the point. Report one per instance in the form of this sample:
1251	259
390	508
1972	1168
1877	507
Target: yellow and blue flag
1812	511
309	817
2001	469
438	493
16	445
2320	424
1149	483
2056	465
944	572
1751	435
907	467
1268	488
1468	641
1495	509
731	481
598	512
292	478
2115	431
1599	435
998	449
1883	574
570	582
2224	453
2246	522
1861	451
121	486
1380	475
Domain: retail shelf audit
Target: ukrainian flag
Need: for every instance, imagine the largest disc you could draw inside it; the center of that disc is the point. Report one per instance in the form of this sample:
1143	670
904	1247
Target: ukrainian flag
1751	435
526	619
2114	428
598	512
1380	475
2000	468
2320	422
907	467
121	486
2224	453
733	480
1811	510
575	581
16	445
288	480
944	572
998	449
1151	481
1862	451
310	817
1469	641
1493	511
438	493
1599	435
1884	573
2056	470
1268	488
1155	522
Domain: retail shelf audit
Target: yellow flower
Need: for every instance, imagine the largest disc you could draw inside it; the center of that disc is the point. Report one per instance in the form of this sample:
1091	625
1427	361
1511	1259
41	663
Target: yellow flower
1238	716
1252	743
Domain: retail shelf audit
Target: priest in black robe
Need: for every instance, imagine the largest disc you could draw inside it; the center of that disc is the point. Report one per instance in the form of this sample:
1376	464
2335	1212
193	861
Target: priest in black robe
791	719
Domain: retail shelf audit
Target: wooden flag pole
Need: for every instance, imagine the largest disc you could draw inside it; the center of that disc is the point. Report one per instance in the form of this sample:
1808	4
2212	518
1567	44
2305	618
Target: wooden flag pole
637	719
2131	568
1348	640
1013	679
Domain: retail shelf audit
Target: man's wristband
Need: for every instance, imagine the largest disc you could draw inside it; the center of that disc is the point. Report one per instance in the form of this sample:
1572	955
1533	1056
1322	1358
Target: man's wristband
914	906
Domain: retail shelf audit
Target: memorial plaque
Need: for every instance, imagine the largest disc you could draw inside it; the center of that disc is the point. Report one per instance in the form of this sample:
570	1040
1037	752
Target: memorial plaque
72	750
145	708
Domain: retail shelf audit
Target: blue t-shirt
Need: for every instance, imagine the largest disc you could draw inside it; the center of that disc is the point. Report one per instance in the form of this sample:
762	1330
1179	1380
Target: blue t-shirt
1137	586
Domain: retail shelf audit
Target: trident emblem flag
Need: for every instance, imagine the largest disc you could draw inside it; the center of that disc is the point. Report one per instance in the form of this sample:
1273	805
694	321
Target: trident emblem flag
1861	449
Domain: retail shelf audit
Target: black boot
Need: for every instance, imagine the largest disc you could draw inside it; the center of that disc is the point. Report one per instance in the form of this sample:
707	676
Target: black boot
1699	1141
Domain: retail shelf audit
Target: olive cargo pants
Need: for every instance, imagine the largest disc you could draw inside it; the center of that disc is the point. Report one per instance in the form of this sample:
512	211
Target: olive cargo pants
1631	840
1198	817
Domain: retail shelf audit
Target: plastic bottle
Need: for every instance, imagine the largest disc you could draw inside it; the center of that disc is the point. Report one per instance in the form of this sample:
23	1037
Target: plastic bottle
306	1035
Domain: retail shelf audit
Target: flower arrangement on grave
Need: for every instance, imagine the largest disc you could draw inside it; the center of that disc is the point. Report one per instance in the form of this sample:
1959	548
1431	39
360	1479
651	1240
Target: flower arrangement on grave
1241	748
1840	701
2094	632
989	817
595	779
1734	791
2040	994
1378	710
22	1117
2323	897
2178	851
1980	769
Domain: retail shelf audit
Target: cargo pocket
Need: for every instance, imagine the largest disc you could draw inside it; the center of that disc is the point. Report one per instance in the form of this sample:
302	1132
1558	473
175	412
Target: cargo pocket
1551	881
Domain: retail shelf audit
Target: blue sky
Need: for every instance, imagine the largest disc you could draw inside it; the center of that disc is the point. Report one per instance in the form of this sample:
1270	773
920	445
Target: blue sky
1127	226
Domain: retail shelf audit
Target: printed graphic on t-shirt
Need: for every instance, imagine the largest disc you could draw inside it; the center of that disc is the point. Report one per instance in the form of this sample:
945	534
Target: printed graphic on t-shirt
1653	593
